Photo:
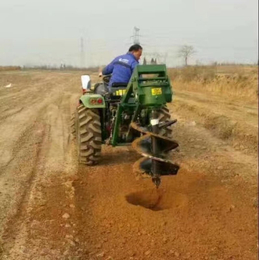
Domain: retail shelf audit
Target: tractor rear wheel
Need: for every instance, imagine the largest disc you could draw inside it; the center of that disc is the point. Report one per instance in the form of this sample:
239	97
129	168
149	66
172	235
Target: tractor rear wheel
164	116
88	134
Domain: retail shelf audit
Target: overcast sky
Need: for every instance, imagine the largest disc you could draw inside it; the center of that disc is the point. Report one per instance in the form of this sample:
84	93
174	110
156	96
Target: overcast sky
49	31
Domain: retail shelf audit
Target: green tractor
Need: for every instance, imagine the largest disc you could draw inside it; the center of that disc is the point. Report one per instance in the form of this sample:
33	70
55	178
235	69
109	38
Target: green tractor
133	113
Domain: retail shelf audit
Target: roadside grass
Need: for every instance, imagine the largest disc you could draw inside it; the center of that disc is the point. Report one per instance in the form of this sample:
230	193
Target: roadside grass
239	82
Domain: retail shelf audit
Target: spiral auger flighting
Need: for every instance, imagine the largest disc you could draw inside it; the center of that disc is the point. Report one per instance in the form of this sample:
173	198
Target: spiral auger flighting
154	148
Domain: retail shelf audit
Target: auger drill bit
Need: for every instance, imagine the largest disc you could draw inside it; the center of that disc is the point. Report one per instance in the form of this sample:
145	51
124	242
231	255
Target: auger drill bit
154	148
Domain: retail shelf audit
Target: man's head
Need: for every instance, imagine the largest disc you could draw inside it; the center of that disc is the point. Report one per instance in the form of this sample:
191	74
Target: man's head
136	50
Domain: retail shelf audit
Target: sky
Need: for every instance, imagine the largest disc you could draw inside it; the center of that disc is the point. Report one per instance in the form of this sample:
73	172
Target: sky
49	32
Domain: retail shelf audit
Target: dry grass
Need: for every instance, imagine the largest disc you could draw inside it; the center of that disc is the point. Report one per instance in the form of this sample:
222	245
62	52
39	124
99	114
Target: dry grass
221	125
9	68
240	134
237	82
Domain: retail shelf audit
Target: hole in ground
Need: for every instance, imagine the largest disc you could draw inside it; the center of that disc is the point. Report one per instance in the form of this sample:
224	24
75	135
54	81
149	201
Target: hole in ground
157	199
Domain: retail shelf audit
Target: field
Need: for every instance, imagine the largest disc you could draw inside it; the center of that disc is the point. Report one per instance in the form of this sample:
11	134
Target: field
53	208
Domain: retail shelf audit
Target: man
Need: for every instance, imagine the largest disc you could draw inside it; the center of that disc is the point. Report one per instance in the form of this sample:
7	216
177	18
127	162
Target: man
123	66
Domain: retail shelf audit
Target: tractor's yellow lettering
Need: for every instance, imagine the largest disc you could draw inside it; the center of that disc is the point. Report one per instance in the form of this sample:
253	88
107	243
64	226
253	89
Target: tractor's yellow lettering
156	91
120	92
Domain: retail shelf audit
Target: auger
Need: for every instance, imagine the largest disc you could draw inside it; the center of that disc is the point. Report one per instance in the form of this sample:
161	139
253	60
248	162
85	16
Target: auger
135	113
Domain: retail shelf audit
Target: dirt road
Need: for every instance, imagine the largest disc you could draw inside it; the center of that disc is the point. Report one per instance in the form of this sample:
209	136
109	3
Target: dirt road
51	208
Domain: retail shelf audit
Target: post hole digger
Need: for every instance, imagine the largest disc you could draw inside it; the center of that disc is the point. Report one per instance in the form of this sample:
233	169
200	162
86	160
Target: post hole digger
133	113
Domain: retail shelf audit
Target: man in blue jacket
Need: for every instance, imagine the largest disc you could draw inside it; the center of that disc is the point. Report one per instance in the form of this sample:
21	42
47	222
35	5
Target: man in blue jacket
123	66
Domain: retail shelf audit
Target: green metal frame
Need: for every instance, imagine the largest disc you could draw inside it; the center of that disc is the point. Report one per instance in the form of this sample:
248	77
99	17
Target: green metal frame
140	94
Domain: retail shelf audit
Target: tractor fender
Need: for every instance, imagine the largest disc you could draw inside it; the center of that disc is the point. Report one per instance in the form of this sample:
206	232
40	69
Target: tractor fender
92	101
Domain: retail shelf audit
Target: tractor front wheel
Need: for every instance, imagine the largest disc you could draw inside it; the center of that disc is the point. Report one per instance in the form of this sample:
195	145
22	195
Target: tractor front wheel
88	135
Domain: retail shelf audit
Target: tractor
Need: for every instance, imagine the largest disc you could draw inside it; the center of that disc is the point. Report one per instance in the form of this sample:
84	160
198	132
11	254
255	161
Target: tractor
129	114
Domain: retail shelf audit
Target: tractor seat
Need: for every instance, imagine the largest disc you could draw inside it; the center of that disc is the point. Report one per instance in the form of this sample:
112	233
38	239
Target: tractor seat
119	85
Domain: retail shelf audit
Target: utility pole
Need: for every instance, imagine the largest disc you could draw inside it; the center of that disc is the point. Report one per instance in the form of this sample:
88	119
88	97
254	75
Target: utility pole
136	35
82	53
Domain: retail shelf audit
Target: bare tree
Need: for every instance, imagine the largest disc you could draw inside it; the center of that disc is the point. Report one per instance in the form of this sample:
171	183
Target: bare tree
185	52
